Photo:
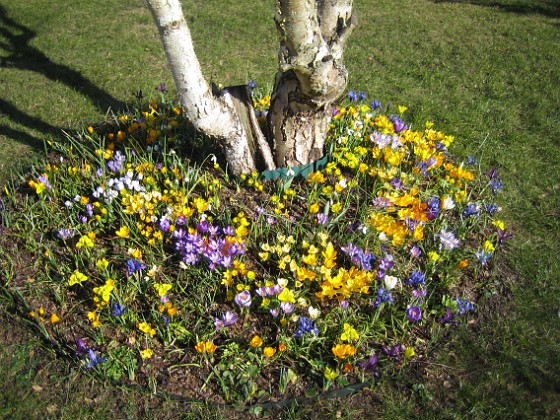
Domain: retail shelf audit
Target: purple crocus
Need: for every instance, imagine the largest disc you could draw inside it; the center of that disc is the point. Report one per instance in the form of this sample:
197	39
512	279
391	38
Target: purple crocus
322	219
243	299
164	225
81	347
504	235
464	306
491	208
134	265
471	210
496	185
387	263
415	252
383	296
448	240
118	309
414	313
287	307
229	318
361	258
93	359
397	184
399	125
448	317
356	97
394	352
433	208
219	323
117	163
416	278
306	325
66	233
370	365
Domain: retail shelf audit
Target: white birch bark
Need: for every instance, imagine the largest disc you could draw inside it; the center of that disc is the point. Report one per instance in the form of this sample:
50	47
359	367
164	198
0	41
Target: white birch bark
311	77
215	116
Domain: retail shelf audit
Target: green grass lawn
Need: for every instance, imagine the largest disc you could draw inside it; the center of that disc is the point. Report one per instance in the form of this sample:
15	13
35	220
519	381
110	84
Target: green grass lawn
486	72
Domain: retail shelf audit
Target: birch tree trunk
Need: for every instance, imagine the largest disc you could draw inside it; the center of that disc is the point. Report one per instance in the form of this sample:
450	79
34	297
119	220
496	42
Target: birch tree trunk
311	76
310	79
228	117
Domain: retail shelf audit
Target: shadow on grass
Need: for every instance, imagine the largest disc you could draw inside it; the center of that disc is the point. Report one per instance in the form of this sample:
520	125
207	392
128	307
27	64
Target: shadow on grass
18	54
549	8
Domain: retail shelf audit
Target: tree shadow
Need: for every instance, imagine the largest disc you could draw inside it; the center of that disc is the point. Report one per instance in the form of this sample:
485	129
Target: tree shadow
18	54
549	8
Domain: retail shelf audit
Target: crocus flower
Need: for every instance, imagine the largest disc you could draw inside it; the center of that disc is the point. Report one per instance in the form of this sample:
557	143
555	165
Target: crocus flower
415	252
134	265
370	364
81	347
448	317
496	185
342	351
66	233
482	256
433	208
390	282
322	218
306	325
448	240
383	296
219	323
399	125
243	299
464	306
118	309
504	235
416	278
93	359
471	210
414	313
229	318
393	352
491	208
471	160
287	307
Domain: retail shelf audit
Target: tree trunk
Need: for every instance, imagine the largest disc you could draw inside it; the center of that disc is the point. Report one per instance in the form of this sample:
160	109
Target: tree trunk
311	77
228	117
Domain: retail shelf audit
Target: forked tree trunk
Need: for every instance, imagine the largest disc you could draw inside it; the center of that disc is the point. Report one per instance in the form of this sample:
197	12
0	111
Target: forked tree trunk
310	78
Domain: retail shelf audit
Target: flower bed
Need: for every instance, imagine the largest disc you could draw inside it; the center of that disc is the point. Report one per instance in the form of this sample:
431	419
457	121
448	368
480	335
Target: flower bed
152	270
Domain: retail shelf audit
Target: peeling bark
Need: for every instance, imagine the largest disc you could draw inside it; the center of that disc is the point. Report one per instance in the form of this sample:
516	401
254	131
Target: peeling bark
311	76
226	117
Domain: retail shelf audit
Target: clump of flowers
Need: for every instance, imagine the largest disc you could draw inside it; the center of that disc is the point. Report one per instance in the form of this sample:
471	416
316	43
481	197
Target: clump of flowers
326	276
